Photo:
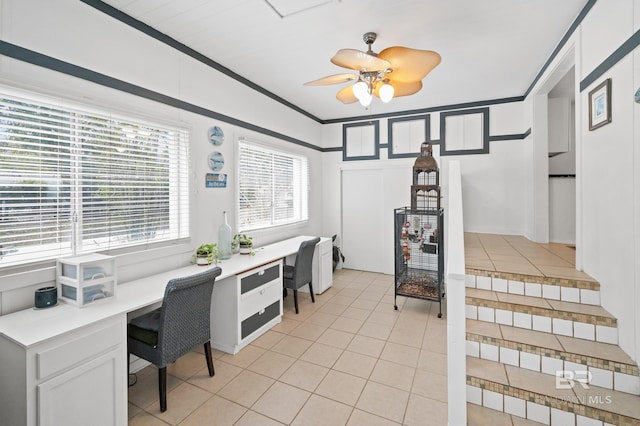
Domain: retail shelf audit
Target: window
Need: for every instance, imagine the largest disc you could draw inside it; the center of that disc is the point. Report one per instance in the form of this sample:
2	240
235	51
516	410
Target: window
273	187
74	181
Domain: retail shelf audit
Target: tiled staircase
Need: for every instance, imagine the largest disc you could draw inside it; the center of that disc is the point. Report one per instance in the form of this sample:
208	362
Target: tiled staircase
543	350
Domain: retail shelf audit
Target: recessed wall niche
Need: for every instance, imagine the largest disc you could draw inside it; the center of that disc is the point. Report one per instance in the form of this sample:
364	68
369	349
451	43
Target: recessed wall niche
405	134
361	141
464	132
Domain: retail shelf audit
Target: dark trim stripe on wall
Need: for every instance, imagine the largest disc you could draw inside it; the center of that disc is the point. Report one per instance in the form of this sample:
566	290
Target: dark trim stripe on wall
35	58
163	38
622	51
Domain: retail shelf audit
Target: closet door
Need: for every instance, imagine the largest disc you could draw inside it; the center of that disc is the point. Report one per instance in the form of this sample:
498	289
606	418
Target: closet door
363	219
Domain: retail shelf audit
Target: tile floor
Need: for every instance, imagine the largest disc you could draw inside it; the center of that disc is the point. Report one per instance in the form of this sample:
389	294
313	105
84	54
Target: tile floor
516	254
349	359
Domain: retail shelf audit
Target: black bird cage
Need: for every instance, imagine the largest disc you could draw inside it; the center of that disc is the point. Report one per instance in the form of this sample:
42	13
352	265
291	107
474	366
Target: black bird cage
419	235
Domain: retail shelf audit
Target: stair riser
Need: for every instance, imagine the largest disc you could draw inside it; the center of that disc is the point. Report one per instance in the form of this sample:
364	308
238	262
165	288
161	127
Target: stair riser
609	379
558	326
557	413
588	296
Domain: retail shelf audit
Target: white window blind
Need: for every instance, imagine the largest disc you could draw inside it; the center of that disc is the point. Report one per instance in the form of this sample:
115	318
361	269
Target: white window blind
75	181
273	187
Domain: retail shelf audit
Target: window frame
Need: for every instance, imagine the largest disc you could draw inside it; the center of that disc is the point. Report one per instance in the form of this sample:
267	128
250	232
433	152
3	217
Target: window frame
72	240
303	187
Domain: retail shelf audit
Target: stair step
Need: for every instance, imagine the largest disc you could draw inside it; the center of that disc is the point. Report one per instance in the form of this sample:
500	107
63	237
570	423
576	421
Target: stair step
482	416
608	365
584	291
589	322
546	399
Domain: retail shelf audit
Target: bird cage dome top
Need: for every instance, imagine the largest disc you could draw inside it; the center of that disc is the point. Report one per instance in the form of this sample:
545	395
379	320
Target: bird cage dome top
425	162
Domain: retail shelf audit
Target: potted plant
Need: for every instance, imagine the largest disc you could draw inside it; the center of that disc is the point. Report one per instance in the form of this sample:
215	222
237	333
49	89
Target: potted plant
243	243
206	253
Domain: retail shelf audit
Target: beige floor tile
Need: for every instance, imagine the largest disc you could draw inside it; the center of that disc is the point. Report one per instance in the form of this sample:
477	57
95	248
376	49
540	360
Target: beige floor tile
145	419
216	411
362	418
412	320
132	410
432	361
356	313
606	399
332	308
308	331
181	402
594	349
251	418
268	339
580	308
286	326
524	300
145	392
377	331
364	304
187	365
366	346
533	381
341	387
322	319
349	325
481	294
484	328
271	364
336	338
341	300
407	336
383	401
420	408
481	416
292	346
355	364
430	385
487	370
281	402
224	373
393	374
531	337
245	357
401	354
246	388
304	375
319	411
384	318
322	354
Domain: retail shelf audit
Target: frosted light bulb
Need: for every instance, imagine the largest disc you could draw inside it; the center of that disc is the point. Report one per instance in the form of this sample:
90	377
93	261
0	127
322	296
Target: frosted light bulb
386	92
360	89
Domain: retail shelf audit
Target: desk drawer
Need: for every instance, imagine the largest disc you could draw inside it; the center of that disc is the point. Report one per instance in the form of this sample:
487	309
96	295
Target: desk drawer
252	302
259	319
259	278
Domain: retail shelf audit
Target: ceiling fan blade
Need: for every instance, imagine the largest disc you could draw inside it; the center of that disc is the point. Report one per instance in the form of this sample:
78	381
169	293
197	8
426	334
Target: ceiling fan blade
332	79
358	60
346	96
410	64
401	88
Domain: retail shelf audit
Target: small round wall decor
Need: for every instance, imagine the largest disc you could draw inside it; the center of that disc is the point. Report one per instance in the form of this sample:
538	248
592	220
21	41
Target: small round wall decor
216	135
216	161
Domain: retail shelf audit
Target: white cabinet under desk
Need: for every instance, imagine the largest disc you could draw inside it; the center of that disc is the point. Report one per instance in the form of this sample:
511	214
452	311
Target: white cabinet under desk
64	359
246	305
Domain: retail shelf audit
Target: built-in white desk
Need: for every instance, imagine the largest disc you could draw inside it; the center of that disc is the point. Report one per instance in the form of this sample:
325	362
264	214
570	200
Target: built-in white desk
52	359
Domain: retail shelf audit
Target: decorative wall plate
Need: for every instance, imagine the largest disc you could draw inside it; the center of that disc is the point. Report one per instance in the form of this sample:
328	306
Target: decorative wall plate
216	161
216	135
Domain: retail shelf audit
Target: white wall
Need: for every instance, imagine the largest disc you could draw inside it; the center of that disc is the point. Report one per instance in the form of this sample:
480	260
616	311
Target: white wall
76	33
607	164
493	184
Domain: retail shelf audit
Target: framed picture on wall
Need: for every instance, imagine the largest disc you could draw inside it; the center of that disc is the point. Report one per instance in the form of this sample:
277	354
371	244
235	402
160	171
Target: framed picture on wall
600	105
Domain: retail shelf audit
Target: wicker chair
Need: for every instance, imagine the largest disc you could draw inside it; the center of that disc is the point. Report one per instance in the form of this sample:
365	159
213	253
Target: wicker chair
298	275
177	327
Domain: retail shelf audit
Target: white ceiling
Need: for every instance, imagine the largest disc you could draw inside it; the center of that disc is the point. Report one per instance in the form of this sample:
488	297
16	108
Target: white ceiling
490	49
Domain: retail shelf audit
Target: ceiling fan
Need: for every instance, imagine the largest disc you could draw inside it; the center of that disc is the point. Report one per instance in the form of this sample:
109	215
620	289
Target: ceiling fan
395	71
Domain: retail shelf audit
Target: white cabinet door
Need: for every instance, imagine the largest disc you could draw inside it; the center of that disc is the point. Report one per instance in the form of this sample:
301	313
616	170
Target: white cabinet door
90	394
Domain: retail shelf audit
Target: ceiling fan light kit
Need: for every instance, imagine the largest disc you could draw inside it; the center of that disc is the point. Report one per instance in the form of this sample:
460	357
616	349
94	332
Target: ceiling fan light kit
395	71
